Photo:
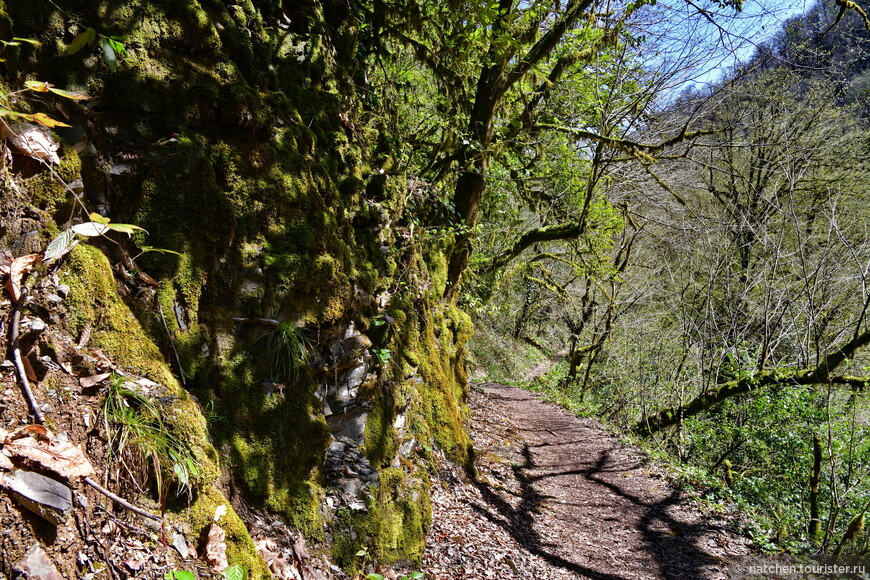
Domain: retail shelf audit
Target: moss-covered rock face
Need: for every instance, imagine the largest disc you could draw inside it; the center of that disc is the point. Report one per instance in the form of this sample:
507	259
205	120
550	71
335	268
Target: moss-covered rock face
224	133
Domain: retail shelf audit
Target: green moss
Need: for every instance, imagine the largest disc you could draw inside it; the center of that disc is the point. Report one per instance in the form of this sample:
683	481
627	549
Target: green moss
402	515
438	273
380	442
240	546
440	403
48	193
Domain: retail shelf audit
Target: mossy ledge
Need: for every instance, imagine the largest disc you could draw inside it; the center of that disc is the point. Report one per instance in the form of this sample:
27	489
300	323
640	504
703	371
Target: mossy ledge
93	300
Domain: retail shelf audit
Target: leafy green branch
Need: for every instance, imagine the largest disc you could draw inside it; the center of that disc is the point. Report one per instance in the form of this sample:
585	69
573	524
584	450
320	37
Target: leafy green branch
112	46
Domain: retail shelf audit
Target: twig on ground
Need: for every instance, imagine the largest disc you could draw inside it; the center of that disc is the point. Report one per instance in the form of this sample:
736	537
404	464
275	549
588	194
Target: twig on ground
121	501
19	364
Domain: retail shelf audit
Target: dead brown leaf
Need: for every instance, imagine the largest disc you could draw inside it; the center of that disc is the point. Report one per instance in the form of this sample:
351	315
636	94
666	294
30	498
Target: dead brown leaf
28	370
36	443
17	270
35	141
5	155
37	431
103	362
216	546
216	549
93	380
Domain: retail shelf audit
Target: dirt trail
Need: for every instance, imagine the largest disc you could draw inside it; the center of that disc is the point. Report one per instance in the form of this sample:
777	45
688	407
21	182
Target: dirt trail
557	497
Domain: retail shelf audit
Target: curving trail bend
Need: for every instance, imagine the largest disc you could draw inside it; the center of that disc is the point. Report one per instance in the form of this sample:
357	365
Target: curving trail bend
558	497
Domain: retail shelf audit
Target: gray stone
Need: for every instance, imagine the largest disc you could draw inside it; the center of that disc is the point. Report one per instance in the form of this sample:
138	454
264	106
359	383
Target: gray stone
63	290
180	545
38	325
36	565
250	287
356	343
350	425
42	495
351	486
337	446
407	447
350	382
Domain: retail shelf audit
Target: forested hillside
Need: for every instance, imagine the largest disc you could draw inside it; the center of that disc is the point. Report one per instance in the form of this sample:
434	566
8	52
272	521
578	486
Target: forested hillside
246	246
726	319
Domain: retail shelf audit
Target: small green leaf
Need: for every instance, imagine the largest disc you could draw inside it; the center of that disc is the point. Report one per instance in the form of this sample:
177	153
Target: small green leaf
95	217
126	228
109	56
32	41
362	553
374	576
179	575
59	245
117	45
68	94
82	38
416	575
90	229
235	572
38	86
153	249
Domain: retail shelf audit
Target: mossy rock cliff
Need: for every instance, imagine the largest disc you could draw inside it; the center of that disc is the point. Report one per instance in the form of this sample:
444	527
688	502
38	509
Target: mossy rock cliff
226	131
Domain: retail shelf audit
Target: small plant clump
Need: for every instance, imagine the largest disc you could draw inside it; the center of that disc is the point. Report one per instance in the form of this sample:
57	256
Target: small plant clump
141	442
288	347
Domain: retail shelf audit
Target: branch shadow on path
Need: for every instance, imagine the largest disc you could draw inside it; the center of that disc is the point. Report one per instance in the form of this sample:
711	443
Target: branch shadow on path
672	546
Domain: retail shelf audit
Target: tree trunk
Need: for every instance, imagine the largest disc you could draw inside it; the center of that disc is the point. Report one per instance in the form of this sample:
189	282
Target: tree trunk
815	526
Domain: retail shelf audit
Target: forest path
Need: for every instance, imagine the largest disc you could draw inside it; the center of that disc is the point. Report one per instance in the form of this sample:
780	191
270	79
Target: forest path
558	497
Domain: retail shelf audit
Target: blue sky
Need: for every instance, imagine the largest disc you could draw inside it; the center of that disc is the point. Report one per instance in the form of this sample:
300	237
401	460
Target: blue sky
702	51
756	23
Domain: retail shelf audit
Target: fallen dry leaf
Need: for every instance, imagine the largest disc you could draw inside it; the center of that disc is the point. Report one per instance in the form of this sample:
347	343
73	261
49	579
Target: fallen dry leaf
37	431
101	361
28	370
17	270
93	380
278	565
38	444
34	141
5	155
216	549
